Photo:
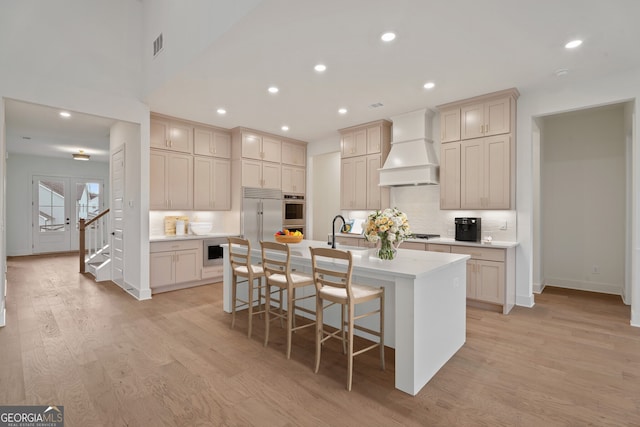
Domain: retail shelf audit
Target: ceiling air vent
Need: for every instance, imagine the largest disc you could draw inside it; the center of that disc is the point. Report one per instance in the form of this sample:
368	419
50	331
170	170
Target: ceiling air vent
376	105
157	45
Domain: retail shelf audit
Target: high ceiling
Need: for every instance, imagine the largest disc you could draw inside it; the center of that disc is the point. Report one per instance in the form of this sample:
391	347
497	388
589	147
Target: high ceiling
466	47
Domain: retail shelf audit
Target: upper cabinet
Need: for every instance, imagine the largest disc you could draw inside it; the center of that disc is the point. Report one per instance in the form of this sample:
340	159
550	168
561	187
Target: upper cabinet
364	150
294	154
259	147
211	142
477	165
171	135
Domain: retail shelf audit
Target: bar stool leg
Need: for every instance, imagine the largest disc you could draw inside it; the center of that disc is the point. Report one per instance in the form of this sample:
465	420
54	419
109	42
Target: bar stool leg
350	354
234	291
250	299
267	307
382	330
319	330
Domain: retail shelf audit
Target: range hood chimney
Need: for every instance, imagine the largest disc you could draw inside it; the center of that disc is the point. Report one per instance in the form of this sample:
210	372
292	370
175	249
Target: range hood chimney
412	159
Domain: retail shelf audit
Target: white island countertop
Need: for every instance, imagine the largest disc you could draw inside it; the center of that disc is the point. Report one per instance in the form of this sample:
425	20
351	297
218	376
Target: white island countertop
425	304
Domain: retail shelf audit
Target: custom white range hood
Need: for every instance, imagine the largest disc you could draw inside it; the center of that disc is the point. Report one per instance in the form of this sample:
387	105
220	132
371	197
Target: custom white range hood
412	159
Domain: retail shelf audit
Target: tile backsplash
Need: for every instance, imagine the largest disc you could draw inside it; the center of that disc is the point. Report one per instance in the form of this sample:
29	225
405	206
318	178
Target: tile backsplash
422	206
223	221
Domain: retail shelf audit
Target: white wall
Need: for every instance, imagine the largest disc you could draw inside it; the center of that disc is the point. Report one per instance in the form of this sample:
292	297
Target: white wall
325	190
583	192
570	94
20	170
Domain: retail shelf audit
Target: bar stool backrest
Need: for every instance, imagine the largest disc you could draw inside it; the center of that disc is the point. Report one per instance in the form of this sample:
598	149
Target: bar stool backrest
329	269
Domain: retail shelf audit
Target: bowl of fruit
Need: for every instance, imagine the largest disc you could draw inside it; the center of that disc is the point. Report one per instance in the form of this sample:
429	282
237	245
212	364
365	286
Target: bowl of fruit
286	236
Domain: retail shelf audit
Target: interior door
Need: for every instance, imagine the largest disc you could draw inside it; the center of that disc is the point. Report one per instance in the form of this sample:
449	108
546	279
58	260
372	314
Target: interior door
58	205
117	216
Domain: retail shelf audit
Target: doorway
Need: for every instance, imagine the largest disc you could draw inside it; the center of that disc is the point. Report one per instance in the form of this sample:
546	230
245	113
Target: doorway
583	199
58	205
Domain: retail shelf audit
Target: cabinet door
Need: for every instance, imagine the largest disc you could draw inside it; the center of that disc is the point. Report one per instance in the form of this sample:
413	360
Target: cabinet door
433	247
471	174
293	154
299	180
203	183
287	179
271	149
251	146
450	175
360	142
293	180
161	269
271	175
347	144
450	125
361	184
490	281
497	172
374	139
159	133
158	180
373	191
188	265
203	141
471	279
417	246
221	185
472	121
347	183
180	181
497	116
251	173
180	137
222	145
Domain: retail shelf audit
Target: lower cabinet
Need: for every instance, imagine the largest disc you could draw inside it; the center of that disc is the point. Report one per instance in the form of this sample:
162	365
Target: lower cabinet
173	263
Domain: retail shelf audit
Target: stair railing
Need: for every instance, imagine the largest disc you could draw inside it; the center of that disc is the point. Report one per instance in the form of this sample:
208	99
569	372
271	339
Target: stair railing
93	237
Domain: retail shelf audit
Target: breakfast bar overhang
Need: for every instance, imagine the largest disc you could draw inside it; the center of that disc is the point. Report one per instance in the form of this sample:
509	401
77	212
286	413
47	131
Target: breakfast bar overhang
425	307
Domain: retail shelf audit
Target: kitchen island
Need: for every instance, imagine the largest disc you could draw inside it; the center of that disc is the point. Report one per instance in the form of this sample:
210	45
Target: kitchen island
425	305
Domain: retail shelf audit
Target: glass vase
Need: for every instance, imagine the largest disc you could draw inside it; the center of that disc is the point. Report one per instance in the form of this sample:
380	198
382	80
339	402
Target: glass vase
386	251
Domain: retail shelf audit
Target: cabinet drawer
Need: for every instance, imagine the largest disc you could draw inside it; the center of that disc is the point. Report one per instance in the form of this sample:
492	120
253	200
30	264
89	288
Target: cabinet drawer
434	247
175	245
488	254
414	245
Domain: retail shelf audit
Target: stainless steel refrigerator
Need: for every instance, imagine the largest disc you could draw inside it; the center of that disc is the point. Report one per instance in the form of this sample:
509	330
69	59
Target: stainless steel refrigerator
261	214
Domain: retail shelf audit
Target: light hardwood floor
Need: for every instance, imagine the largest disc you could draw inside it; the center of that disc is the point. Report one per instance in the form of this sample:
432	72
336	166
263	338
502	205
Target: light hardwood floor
173	361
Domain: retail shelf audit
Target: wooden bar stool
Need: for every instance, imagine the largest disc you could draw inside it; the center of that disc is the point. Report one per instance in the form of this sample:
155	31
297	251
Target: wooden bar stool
277	269
334	284
240	259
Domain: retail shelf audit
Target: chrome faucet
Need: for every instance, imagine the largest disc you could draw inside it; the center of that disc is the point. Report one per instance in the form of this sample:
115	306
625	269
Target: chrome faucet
333	229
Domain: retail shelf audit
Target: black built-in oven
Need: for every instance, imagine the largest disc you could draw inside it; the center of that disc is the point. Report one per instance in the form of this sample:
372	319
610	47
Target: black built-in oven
293	210
212	251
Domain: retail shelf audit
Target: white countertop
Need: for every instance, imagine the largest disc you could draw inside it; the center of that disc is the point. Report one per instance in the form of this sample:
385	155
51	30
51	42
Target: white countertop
163	238
408	263
446	241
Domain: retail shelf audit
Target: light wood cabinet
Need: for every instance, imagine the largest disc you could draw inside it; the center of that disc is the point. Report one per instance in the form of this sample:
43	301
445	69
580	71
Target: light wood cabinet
485	173
478	171
171	135
174	263
211	142
256	173
212	184
294	154
293	180
434	247
259	147
490	275
450	125
171	180
354	183
364	150
487	118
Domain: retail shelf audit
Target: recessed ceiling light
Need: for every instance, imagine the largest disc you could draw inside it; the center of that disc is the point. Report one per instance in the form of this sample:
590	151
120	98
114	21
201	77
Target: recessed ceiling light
320	68
342	111
65	114
562	72
573	44
429	85
387	37
221	111
273	89
285	128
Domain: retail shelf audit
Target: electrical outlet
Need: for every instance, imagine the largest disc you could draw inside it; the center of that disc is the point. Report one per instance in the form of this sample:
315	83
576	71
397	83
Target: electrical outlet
503	226
595	269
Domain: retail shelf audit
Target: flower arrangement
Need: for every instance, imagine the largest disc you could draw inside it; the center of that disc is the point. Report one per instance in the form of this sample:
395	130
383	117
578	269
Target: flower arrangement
388	226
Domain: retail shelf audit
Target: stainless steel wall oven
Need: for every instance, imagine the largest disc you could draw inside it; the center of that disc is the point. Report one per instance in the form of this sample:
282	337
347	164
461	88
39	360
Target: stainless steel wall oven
293	210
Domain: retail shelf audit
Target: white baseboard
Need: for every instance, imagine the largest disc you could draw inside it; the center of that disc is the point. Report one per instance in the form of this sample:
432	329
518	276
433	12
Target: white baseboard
3	317
635	318
538	288
603	288
135	292
525	301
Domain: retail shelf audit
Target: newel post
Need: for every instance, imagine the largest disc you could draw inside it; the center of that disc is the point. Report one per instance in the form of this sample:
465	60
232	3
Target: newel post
81	244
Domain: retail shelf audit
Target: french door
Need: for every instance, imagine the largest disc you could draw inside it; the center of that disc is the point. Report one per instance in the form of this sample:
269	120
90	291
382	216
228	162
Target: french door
58	205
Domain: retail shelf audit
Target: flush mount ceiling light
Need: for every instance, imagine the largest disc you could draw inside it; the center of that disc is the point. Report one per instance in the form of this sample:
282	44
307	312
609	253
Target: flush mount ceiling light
221	111
573	44
285	128
273	89
65	114
429	85
342	111
80	156
388	36
320	68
